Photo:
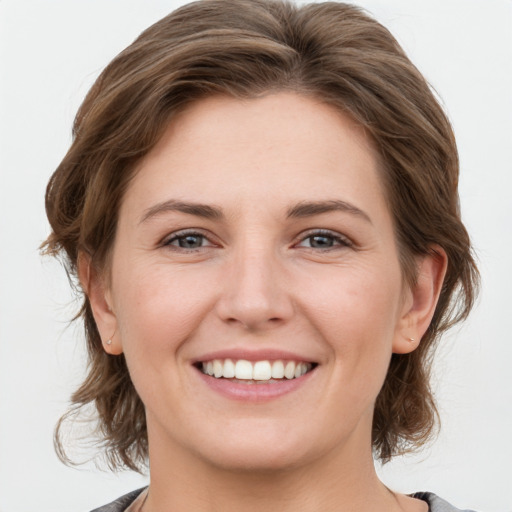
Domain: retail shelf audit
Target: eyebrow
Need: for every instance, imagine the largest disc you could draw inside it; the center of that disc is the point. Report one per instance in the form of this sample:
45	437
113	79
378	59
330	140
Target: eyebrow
199	210
212	212
310	208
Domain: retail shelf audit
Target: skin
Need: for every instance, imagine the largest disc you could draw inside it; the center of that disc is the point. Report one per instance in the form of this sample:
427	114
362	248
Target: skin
257	280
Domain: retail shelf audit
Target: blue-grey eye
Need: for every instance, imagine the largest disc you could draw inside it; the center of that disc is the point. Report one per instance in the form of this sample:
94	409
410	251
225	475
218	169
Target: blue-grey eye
189	241
321	241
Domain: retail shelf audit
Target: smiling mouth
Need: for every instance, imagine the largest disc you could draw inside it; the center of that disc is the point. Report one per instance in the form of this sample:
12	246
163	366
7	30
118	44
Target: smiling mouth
255	372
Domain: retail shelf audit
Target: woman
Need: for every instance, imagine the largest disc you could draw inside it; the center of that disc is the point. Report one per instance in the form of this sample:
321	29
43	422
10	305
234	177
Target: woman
260	204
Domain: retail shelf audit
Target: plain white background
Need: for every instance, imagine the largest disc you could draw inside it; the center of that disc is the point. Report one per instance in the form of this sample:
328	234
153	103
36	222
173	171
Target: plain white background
50	53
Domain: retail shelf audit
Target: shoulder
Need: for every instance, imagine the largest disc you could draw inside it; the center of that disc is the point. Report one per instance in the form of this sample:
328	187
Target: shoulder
121	503
437	504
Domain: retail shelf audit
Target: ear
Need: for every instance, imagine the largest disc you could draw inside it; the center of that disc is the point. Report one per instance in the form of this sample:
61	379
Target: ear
420	301
98	293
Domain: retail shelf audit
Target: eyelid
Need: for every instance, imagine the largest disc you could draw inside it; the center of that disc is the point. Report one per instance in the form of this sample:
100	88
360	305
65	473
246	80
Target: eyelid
166	241
343	240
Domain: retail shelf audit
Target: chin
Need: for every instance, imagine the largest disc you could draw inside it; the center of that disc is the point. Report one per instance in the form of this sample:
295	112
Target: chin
259	450
255	460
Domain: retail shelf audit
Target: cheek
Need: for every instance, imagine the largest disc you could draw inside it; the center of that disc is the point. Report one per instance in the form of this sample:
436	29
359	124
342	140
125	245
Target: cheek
359	313
159	307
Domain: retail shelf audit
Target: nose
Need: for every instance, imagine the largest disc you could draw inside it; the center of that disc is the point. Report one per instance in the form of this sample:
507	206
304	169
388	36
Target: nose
254	293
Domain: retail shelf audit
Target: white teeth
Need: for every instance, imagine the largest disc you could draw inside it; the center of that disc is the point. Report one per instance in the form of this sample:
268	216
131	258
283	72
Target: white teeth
289	370
262	371
217	368
229	369
277	370
256	371
243	370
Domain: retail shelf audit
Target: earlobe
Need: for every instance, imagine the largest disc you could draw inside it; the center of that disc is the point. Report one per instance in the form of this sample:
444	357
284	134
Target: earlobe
95	288
421	302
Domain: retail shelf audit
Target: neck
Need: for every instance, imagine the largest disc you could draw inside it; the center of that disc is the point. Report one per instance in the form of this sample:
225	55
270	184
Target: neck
333	482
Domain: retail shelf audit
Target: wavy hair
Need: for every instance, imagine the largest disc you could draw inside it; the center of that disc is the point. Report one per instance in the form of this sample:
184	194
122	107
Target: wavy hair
247	48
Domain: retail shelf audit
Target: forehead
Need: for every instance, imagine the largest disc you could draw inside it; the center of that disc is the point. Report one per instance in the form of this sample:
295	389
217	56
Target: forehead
284	145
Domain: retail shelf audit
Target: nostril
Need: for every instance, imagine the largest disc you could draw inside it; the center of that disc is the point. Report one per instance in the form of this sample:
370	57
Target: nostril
252	323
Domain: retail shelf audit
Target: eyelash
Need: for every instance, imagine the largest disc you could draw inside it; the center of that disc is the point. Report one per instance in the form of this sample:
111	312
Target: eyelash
180	235
322	233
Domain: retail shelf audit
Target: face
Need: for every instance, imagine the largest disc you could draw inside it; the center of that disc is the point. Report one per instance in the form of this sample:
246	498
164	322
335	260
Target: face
255	243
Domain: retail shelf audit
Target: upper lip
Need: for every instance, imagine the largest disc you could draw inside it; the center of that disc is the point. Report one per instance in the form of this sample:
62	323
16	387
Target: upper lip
269	354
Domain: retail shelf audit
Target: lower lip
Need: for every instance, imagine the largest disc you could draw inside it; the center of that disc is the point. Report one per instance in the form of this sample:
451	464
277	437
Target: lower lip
255	392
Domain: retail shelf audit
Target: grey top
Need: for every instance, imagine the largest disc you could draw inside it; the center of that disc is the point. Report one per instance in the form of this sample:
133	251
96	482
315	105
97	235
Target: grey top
121	504
435	503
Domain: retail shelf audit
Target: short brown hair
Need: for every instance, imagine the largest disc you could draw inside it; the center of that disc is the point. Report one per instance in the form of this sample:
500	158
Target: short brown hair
247	48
